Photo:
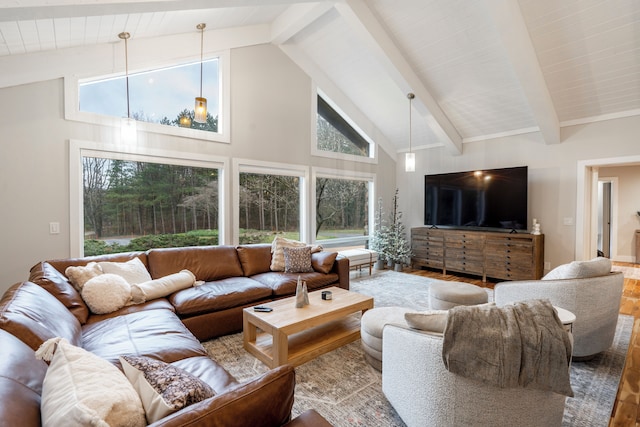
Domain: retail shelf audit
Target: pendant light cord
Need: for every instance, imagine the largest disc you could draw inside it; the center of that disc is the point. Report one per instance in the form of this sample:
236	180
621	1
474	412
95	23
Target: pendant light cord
201	28
410	96
125	36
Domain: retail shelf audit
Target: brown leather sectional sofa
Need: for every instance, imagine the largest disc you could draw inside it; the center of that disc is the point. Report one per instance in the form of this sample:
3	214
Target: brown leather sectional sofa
169	329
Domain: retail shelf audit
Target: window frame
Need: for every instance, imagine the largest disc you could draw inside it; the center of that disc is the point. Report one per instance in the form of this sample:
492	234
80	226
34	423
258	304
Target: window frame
370	178
79	149
72	104
315	151
270	168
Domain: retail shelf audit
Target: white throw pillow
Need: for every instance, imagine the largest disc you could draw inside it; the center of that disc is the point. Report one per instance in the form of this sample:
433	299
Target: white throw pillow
580	269
81	389
433	321
106	293
133	270
163	388
81	274
158	288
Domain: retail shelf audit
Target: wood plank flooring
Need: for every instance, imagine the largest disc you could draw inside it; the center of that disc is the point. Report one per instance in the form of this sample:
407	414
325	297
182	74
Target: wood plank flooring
626	410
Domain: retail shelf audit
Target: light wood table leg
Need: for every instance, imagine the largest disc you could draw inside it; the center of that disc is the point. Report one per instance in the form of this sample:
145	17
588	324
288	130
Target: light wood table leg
280	348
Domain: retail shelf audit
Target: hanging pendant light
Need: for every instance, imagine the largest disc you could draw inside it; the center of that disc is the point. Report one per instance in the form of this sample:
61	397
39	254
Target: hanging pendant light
200	115
410	157
128	131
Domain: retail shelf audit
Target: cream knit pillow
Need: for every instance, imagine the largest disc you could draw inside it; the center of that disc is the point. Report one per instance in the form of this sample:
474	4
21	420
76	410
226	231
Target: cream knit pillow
81	389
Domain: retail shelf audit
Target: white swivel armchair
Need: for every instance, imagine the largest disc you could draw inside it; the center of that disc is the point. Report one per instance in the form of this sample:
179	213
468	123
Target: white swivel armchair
425	393
586	288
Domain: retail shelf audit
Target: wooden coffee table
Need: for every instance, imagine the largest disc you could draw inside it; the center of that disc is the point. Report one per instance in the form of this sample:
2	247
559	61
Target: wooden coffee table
296	335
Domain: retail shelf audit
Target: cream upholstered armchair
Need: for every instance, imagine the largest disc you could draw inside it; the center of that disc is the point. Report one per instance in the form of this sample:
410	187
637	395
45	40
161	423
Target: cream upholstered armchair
586	288
424	393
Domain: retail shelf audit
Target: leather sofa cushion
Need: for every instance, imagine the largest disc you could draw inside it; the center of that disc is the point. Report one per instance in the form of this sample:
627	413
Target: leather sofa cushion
154	333
323	261
284	284
160	303
56	283
21	376
62	264
34	315
218	295
208	371
208	263
255	258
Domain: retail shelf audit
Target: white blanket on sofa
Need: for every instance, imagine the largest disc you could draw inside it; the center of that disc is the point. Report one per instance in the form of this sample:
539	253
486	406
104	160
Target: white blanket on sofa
519	345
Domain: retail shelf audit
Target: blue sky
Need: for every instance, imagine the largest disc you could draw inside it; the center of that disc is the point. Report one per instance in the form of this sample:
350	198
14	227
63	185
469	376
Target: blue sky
157	93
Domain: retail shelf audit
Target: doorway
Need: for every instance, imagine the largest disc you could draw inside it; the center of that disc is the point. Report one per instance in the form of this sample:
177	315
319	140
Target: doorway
605	217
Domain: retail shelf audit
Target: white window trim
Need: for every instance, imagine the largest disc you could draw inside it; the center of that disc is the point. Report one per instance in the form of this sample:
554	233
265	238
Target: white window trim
373	147
370	178
271	168
72	111
79	149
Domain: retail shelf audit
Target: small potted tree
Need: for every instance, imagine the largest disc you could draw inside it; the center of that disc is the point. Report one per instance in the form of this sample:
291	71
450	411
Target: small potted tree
399	248
379	239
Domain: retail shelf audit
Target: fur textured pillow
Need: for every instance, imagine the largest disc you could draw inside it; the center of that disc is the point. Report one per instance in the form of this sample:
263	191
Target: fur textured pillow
163	388
133	270
79	275
82	389
106	293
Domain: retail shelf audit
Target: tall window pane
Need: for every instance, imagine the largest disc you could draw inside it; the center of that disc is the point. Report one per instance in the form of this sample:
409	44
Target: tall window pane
269	204
341	208
132	206
163	96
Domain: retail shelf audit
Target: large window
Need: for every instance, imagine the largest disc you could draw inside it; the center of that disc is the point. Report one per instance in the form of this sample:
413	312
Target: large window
130	201
342	208
269	205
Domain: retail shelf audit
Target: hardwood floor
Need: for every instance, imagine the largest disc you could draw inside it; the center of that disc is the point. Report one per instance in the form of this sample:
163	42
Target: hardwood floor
626	410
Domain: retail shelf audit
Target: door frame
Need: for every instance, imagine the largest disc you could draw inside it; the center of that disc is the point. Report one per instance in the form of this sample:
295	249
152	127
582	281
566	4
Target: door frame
587	204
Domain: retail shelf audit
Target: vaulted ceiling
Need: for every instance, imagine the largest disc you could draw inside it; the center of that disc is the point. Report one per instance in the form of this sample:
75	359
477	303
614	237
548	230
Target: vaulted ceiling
479	68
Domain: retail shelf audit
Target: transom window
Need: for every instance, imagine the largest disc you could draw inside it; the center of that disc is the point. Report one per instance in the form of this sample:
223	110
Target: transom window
163	96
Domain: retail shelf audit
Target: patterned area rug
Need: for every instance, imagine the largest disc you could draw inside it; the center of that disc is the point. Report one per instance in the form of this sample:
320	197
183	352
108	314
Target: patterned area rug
347	391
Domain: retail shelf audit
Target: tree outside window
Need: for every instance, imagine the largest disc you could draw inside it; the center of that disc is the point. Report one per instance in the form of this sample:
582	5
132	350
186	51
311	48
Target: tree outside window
135	206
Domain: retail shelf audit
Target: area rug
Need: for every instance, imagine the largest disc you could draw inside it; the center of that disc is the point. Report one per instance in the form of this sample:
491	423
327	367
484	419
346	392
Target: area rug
629	272
347	391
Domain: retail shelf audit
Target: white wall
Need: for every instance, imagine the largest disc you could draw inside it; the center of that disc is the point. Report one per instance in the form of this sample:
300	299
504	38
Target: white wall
271	121
552	173
627	219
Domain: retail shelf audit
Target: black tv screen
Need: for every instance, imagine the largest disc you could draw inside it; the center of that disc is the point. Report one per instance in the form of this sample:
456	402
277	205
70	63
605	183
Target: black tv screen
492	198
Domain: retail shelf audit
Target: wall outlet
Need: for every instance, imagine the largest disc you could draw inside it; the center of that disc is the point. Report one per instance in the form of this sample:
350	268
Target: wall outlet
547	265
54	228
568	220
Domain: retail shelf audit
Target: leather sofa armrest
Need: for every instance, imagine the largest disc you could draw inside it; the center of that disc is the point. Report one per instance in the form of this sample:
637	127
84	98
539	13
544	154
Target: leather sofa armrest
265	401
341	268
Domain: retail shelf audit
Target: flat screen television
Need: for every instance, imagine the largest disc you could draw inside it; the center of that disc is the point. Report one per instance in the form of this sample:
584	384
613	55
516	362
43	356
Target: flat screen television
481	199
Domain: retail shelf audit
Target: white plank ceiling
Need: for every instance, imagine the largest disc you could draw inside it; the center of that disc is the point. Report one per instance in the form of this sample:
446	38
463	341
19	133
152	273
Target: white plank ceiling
479	68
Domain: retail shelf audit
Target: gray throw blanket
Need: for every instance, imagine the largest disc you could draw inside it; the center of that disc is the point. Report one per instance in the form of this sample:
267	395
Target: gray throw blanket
519	345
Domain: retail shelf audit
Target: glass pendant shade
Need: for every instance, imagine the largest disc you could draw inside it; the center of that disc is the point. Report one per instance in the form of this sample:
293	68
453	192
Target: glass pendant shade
185	121
410	162
128	131
200	115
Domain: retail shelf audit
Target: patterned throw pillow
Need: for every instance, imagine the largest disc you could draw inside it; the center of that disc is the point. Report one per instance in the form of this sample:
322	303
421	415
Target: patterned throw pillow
163	388
297	260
